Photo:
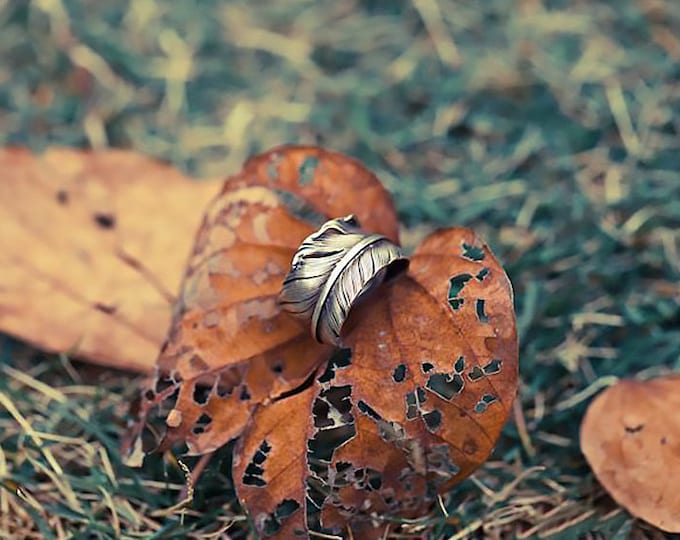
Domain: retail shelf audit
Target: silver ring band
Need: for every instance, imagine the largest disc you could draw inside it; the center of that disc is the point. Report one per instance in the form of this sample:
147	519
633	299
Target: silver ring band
333	269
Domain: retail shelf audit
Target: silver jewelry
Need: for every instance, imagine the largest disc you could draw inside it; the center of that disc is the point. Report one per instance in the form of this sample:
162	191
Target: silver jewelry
333	269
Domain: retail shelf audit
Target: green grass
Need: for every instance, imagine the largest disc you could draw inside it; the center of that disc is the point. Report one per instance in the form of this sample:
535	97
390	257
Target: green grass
550	127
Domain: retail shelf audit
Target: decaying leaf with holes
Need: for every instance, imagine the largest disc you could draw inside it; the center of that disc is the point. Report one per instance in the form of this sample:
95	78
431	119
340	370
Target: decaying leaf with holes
92	250
630	436
412	407
230	347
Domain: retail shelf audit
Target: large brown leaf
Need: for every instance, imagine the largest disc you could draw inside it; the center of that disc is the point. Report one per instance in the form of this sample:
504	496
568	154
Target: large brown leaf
92	250
230	347
413	407
630	436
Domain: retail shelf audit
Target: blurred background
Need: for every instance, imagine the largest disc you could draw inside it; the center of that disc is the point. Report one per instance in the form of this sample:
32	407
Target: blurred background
551	127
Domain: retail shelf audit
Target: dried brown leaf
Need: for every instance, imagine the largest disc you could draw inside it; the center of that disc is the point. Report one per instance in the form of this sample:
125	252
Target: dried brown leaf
630	436
230	347
92	250
414	408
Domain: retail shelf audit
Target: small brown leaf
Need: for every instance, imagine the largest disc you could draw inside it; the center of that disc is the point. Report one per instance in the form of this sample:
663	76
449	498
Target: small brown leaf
92	249
630	436
230	347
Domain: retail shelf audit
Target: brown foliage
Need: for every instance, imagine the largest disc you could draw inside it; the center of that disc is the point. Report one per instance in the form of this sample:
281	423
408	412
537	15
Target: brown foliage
328	438
230	347
92	248
630	436
417	400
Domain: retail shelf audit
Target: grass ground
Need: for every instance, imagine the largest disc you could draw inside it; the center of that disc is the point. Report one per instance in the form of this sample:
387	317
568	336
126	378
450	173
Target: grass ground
551	127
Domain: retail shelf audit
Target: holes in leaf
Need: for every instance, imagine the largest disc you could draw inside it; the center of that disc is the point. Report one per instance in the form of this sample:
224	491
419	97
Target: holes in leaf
277	367
104	220
445	386
411	407
399	373
481	275
459	366
202	423
473	253
252	476
201	394
368	410
421	396
286	508
389	431
272	523
341	359
439	462
373	479
493	367
456	284
476	373
367	479
427	367
316	494
341	466
456	303
163	383
339	476
332	412
300	208
324	443
481	315
306	170
333	407
433	420
484	402
245	395
320	410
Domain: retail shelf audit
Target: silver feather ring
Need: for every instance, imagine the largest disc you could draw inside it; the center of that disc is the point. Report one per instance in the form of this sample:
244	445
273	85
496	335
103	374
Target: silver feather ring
333	269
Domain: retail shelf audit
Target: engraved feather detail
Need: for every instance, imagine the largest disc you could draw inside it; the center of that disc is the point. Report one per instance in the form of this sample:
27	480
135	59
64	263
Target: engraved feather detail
332	270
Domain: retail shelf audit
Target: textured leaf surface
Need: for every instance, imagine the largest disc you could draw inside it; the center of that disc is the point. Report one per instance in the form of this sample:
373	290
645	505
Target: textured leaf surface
630	436
437	353
270	466
92	250
412	407
319	184
230	347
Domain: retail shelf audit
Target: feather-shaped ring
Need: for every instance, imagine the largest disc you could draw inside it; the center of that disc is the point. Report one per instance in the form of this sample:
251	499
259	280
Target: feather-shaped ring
333	269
